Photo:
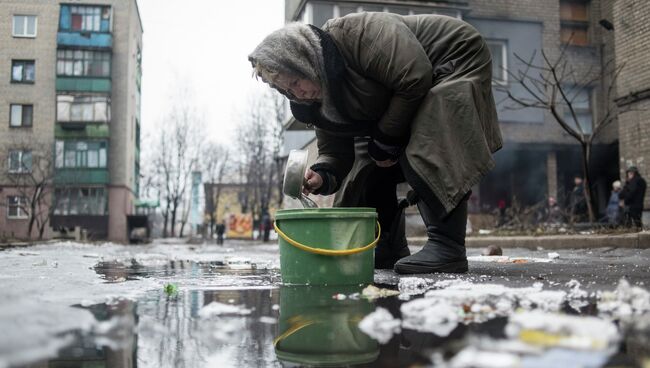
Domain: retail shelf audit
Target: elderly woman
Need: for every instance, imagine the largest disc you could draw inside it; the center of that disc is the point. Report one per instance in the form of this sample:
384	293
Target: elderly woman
392	98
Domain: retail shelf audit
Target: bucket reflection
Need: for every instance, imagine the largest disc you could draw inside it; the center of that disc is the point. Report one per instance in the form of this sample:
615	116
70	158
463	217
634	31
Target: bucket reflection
318	330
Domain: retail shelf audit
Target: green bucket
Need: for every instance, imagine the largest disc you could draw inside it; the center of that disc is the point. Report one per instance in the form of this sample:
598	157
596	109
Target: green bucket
317	330
327	246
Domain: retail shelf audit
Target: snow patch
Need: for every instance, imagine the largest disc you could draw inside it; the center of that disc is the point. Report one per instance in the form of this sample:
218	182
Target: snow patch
380	325
218	309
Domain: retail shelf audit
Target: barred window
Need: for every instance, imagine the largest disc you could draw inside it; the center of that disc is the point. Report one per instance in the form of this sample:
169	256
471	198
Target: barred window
83	63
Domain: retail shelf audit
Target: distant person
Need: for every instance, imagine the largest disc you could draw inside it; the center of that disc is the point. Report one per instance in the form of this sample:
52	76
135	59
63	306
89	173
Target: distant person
501	212
632	197
613	212
551	213
266	227
577	201
221	229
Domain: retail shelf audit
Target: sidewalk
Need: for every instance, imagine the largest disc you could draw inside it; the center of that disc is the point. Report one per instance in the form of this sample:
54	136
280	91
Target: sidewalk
632	240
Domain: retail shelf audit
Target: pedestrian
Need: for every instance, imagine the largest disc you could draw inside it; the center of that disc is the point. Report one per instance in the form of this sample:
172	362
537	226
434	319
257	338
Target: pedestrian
632	196
577	201
392	98
551	213
221	229
613	211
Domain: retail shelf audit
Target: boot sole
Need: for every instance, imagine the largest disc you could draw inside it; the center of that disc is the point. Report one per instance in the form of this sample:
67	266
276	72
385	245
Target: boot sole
451	267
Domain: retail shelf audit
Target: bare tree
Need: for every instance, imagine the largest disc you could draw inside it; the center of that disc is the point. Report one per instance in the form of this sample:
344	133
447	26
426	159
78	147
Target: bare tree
557	86
259	140
33	179
215	169
178	155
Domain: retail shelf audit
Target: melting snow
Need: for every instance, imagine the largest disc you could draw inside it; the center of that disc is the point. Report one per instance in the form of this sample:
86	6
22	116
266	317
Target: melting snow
218	309
380	325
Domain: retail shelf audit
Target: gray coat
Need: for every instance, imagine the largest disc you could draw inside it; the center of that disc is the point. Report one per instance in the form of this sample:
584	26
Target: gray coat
423	82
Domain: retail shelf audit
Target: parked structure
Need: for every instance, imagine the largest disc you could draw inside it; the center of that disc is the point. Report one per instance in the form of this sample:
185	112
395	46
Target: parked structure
73	98
539	159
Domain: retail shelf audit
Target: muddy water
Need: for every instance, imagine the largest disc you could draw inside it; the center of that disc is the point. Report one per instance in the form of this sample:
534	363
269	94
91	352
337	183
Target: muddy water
276	326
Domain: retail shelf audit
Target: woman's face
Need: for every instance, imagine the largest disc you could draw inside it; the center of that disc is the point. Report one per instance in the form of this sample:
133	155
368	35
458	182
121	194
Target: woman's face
303	89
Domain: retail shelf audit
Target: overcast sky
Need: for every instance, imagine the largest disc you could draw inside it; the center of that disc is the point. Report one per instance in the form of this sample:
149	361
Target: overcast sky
206	43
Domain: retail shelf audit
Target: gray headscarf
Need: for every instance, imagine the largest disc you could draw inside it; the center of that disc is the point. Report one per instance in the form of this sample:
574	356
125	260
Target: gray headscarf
295	50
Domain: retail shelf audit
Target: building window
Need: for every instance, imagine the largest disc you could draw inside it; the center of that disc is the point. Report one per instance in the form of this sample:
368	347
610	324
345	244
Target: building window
21	115
16	207
22	71
88	18
80	154
574	22
581	103
24	26
20	161
90	109
499	52
79	201
82	63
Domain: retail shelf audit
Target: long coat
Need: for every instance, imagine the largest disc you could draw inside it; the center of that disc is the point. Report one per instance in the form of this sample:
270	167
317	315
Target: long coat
422	82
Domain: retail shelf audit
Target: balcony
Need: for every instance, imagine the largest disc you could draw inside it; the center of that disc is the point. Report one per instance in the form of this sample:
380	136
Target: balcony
65	130
81	176
88	40
82	84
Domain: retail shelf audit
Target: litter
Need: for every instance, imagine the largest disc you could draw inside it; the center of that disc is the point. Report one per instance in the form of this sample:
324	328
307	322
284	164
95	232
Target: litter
372	292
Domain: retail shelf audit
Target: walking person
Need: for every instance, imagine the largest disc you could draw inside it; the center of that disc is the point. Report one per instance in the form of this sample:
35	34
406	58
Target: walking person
632	196
577	201
392	98
221	229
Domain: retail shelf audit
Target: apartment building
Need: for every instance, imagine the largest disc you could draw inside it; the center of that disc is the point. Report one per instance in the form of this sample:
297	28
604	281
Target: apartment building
71	97
539	159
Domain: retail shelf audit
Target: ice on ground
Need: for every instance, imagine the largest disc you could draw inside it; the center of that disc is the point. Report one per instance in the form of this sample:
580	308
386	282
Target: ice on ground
218	309
561	330
624	303
458	301
414	285
380	325
554	255
471	357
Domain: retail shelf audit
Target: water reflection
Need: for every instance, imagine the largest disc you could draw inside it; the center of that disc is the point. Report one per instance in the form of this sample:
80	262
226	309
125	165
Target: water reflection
318	330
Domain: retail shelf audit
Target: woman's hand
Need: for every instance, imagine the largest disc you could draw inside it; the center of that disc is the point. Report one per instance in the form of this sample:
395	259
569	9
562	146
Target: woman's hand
312	181
386	163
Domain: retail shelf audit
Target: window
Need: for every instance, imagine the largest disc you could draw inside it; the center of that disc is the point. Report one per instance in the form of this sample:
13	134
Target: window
91	109
21	115
499	54
80	154
24	26
82	63
16	207
581	103
88	18
80	201
20	161
574	22
22	71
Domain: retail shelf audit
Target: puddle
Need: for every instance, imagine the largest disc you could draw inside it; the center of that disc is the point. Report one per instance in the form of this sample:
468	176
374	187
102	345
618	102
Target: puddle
236	314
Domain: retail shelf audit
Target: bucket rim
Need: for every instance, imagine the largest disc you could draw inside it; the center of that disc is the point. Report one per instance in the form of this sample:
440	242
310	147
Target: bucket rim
336	212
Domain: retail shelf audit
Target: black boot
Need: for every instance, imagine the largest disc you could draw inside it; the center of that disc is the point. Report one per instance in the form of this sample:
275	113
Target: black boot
445	249
392	244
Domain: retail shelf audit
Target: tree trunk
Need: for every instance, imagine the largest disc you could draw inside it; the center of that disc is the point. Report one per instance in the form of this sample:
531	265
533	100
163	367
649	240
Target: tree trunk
586	153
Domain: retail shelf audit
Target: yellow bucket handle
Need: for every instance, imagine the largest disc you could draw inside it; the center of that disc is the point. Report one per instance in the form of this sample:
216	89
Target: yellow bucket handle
327	252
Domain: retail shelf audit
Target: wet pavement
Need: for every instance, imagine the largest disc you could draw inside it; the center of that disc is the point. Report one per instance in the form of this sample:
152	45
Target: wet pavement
176	305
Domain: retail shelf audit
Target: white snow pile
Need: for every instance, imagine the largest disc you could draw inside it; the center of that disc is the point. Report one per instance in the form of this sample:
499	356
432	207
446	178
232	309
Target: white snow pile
507	259
380	325
219	309
624	303
458	301
561	330
414	285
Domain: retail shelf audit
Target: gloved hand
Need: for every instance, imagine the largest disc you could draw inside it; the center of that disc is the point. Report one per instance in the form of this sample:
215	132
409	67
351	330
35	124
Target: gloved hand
383	154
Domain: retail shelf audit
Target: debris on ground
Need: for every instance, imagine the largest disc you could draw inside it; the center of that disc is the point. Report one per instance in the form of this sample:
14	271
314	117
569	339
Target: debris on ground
409	286
372	292
218	309
380	325
492	250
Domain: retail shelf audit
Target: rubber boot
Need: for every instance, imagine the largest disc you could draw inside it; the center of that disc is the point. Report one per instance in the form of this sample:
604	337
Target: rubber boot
445	248
392	244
